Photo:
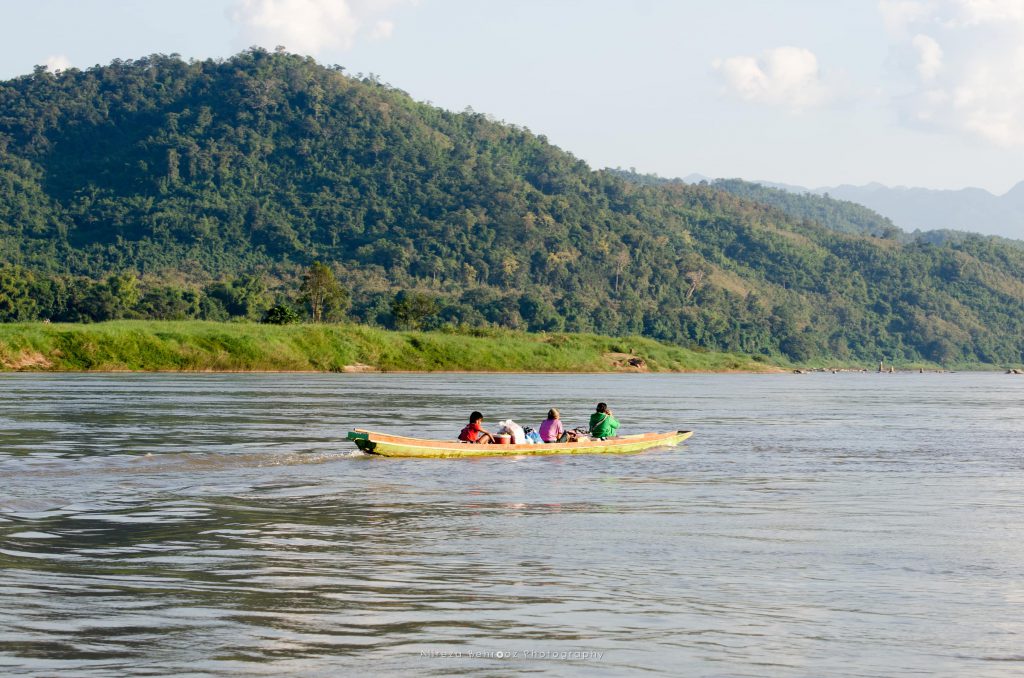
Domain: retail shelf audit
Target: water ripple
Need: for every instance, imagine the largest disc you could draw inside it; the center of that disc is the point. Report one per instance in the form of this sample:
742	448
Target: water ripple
214	525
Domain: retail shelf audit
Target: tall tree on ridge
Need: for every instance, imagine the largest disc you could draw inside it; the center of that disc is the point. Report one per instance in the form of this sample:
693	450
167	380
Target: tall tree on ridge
322	291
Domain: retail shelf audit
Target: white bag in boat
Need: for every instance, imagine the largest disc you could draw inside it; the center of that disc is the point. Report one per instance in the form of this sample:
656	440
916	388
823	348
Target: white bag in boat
513	429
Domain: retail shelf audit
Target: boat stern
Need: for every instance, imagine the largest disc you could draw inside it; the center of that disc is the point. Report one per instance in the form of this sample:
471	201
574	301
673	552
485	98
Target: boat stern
362	441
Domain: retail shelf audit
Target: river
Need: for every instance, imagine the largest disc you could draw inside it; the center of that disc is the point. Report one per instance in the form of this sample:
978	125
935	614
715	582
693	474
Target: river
219	525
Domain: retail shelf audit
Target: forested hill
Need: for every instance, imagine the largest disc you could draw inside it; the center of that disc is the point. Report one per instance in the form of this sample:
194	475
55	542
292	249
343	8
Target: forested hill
206	188
839	215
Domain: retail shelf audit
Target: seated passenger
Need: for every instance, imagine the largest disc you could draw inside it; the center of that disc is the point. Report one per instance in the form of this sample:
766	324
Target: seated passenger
473	432
602	423
552	431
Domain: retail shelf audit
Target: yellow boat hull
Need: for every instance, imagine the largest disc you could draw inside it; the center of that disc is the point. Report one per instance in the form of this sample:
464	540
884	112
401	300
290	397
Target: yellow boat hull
389	445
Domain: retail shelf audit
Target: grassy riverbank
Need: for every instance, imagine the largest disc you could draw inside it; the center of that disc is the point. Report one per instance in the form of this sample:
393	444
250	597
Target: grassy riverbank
194	346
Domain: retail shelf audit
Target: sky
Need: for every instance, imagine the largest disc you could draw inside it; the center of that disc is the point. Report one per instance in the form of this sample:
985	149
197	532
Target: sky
814	93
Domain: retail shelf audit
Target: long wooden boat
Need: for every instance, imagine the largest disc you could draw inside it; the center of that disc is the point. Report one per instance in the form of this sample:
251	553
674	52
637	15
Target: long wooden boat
390	445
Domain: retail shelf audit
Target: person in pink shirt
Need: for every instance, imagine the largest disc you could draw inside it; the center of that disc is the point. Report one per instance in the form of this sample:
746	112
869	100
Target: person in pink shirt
552	431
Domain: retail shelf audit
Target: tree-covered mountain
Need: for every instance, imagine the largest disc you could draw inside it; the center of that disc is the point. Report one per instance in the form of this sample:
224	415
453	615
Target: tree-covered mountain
846	214
165	188
839	215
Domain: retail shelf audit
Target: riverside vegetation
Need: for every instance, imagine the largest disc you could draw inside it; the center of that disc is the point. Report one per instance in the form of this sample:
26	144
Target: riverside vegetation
211	346
210	190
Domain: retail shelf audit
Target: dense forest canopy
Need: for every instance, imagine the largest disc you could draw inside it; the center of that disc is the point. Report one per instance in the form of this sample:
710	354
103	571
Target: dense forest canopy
170	189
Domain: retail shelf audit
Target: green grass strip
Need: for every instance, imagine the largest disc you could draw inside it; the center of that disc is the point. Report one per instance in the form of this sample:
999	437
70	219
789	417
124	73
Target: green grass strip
197	346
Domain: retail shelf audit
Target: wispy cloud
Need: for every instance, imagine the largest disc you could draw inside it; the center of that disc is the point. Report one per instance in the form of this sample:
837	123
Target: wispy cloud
961	66
784	76
382	30
973	12
57	62
929	56
898	15
311	26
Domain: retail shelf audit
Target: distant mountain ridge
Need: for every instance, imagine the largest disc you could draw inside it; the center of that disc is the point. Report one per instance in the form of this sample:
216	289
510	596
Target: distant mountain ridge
967	209
924	209
839	215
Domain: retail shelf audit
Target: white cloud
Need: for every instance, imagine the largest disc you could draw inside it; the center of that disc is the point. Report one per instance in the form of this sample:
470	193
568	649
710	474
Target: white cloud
58	62
973	12
784	76
383	30
310	26
899	14
929	56
961	64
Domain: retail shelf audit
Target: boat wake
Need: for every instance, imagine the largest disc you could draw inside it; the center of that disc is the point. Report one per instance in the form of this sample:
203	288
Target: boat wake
168	463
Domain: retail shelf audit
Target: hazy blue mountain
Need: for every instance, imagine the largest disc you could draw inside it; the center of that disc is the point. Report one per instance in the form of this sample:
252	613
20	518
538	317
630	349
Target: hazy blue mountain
968	209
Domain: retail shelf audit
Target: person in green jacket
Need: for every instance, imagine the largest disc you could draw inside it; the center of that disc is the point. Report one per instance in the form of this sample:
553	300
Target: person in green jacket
602	423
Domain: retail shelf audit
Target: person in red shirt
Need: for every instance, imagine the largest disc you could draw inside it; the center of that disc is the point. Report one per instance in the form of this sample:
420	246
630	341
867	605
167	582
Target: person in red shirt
474	431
